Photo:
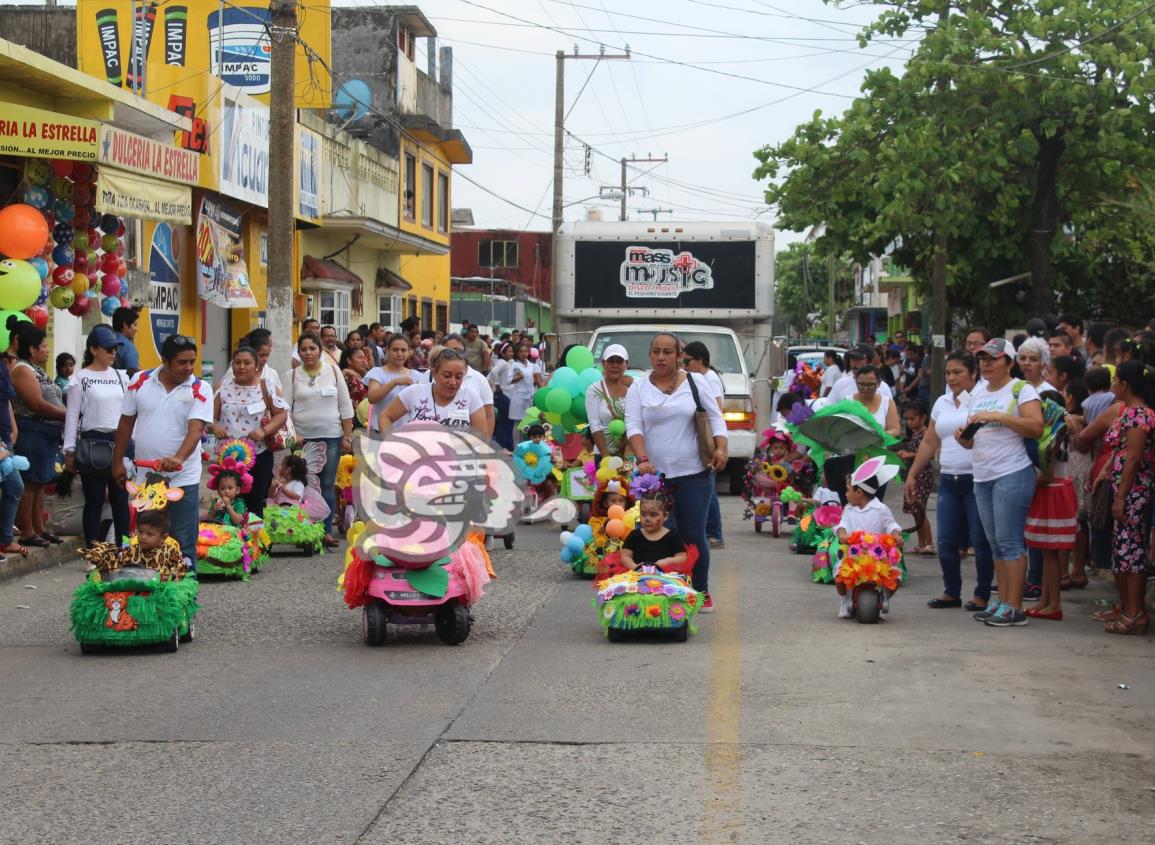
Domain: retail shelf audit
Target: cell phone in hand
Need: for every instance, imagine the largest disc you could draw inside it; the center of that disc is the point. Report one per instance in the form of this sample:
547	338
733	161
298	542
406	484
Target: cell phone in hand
969	432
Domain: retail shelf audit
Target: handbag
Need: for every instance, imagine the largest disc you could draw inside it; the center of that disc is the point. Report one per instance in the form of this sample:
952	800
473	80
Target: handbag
281	438
702	426
1100	510
94	453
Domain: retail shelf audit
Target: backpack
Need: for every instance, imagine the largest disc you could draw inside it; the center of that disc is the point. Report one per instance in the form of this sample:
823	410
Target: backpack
1054	424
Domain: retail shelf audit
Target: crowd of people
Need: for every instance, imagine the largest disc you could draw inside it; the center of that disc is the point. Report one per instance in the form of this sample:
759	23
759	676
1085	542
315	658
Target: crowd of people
1045	450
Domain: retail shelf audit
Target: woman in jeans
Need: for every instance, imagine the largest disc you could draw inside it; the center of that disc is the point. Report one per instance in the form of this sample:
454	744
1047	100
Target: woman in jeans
39	409
322	412
660	412
1009	414
94	403
958	526
238	408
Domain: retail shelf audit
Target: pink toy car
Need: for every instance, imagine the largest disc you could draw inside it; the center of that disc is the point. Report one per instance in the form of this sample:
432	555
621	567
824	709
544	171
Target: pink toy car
392	600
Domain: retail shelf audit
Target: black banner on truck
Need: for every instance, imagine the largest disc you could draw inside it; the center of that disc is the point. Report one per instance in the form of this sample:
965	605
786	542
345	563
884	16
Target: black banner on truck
665	274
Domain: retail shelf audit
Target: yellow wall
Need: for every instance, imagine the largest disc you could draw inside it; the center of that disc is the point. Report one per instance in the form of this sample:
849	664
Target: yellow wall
190	312
427	154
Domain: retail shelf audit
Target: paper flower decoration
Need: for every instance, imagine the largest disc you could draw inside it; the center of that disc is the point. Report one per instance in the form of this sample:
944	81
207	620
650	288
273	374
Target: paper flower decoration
241	451
644	484
799	414
534	461
870	559
773	435
778	473
230	464
807	380
828	515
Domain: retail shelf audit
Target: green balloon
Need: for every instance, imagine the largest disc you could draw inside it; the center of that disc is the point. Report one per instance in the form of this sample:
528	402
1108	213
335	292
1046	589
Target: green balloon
565	378
552	418
579	358
533	411
558	400
616	427
539	397
19	284
569	422
577	408
4	315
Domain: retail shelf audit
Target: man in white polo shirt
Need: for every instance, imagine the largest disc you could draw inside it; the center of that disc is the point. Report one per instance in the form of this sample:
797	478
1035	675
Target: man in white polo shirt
166	410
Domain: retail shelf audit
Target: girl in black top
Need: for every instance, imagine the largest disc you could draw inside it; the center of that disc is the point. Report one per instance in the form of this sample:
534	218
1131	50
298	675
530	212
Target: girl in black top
652	542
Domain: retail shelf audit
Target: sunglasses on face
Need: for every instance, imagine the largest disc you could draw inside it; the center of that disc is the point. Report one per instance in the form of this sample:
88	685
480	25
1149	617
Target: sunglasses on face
867	385
448	352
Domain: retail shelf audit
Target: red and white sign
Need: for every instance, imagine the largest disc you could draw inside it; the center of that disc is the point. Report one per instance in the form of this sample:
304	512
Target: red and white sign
129	151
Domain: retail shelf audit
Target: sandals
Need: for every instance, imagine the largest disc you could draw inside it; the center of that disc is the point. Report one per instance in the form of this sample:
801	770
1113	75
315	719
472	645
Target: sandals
1128	625
330	542
1077	582
922	550
51	538
15	549
1111	615
35	540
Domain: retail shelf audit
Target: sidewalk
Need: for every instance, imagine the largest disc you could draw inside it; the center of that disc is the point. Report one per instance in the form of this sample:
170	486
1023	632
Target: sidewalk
39	559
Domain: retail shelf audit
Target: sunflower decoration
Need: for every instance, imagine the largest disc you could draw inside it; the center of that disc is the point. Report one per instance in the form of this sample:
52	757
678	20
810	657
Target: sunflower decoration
778	473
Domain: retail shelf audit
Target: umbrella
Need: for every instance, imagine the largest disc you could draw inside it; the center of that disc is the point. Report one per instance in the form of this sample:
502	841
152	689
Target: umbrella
843	428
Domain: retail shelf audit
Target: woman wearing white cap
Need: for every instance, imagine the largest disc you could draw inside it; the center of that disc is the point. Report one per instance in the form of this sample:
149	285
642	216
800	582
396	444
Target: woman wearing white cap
1007	413
606	402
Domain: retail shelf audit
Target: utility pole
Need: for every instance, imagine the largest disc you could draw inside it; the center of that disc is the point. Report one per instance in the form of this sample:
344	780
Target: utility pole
655	212
282	172
830	292
625	187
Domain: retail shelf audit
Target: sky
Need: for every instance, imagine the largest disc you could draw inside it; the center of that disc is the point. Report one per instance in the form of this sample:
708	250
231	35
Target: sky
708	83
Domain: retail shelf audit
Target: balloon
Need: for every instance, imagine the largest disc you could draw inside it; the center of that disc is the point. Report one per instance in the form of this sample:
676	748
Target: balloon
63	234
38	197
122	269
632	515
80	306
93	237
552	418
62	256
62	188
81	218
108	305
36	172
4	315
534	354
109	223
585	532
110	285
575	545
566	557
564	378
45	289
616	529
564	537
120	252
121	229
123	290
23	231
81	172
19	284
61	297
81	195
109	242
579	358
577	408
80	263
39	316
125	302
80	284
41	266
558	400
616	512
616	427
61	167
604	475
569	421
79	238
615	462
588	377
539	397
64	210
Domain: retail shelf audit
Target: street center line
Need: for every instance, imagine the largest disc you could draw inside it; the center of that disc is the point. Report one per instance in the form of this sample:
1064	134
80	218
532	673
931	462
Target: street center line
723	753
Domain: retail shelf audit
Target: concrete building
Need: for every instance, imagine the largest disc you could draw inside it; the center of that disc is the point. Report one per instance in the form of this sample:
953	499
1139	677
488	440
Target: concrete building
502	278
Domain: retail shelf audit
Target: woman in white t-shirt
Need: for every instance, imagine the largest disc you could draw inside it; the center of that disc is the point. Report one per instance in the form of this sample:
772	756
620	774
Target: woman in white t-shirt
1034	355
1008	413
443	400
605	401
386	383
660	425
956	508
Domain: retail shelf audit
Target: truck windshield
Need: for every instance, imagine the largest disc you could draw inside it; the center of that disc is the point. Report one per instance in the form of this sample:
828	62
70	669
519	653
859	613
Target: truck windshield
724	353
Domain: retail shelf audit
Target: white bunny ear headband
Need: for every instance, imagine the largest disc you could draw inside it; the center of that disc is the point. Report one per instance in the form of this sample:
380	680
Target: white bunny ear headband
613	486
872	474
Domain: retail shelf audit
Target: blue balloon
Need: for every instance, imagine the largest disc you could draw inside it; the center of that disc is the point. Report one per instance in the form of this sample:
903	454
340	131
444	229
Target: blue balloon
567	379
566	555
123	288
41	266
38	197
585	532
64	210
108	305
45	290
575	545
62	254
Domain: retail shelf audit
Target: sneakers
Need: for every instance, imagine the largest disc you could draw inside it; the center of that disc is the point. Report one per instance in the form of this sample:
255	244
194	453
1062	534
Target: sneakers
993	606
1006	617
846	607
716	543
1032	591
707	605
885	601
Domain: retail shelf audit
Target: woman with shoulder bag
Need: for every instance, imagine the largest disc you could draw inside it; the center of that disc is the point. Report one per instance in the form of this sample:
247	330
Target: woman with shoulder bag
94	403
246	406
662	424
606	402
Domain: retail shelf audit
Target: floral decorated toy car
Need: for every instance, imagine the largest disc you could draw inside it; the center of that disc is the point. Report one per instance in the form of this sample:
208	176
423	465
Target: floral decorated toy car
871	568
647	599
816	530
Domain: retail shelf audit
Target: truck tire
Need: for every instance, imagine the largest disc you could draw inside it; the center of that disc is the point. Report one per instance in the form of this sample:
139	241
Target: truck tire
737	472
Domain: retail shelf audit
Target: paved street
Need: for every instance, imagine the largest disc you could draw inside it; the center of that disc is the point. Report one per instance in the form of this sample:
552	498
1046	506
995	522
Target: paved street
777	723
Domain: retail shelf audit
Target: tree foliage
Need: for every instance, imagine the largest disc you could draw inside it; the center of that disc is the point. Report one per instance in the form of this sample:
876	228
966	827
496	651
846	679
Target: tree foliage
1018	138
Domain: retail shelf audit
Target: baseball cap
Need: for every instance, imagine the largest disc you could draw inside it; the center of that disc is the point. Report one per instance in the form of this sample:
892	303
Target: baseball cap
101	337
615	350
998	346
1036	327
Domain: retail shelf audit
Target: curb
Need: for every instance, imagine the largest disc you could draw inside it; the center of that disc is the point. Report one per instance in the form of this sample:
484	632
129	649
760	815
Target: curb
39	559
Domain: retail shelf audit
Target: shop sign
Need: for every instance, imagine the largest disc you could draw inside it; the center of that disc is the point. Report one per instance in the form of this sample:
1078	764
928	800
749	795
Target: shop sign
309	165
128	195
25	131
222	275
164	271
659	273
129	151
244	159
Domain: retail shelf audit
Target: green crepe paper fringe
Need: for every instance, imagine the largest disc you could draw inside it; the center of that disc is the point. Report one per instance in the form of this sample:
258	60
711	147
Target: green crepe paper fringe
169	607
622	618
225	570
283	528
819	453
584	566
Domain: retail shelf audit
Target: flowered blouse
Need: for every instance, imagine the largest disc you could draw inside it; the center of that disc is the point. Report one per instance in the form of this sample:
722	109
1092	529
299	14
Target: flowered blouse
243	407
1139	416
357	388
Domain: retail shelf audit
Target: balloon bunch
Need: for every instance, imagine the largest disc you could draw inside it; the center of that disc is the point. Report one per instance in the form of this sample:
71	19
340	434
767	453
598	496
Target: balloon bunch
76	253
573	543
609	469
563	398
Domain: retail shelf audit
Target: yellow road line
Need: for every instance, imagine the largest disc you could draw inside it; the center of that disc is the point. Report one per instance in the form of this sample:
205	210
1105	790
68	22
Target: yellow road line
724	709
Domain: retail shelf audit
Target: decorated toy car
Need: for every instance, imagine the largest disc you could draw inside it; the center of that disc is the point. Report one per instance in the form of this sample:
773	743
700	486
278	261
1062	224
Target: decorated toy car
230	552
871	567
647	600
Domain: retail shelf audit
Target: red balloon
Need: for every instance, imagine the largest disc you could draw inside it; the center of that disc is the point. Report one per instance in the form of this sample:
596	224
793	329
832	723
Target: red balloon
93	238
81	172
120	230
81	220
63	276
110	284
109	263
23	231
81	194
38	315
80	262
93	277
125	302
80	306
61	167
120	249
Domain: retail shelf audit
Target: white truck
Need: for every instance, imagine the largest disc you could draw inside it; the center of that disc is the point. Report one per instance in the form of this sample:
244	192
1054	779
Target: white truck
622	282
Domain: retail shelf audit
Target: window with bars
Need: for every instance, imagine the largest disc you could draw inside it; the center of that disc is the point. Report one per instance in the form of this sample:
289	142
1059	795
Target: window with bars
333	310
442	202
427	195
410	197
389	311
497	253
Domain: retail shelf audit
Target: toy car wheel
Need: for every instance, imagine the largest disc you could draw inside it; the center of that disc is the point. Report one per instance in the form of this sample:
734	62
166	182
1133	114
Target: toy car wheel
191	633
682	633
374	624
615	635
173	642
307	550
776	519
88	648
508	539
867	607
452	623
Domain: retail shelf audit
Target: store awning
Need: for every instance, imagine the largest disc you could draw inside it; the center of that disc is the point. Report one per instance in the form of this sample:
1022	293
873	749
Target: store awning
386	278
323	268
128	194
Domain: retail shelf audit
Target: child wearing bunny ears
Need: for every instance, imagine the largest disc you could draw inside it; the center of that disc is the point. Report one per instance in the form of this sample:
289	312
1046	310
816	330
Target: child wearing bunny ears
866	512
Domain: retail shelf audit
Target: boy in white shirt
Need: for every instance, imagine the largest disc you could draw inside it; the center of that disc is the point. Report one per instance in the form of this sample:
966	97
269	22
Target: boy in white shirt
866	512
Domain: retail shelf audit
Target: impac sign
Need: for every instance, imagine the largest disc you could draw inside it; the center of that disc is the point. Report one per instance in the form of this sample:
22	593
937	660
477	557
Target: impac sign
660	274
